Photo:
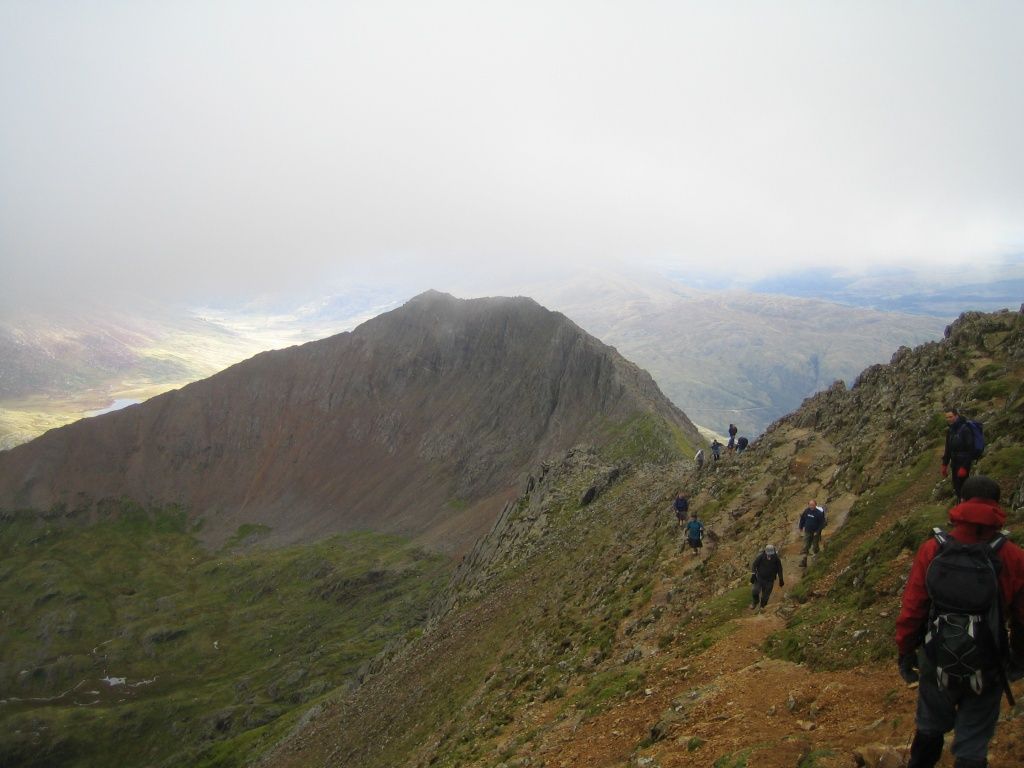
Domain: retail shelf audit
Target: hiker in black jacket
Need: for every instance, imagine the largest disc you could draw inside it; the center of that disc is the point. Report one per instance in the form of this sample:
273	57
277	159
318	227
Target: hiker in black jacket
766	566
959	450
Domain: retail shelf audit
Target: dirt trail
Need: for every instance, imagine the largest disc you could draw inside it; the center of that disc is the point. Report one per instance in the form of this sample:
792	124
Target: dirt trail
733	701
731	706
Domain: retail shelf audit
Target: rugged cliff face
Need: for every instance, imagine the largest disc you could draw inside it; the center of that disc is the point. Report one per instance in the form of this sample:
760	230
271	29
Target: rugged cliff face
418	422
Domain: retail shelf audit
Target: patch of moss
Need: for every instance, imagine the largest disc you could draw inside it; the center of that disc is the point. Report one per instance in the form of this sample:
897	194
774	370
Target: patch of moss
610	685
645	439
213	647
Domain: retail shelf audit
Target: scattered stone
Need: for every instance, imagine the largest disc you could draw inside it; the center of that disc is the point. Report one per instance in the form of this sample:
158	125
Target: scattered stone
633	655
878	756
806	725
859	634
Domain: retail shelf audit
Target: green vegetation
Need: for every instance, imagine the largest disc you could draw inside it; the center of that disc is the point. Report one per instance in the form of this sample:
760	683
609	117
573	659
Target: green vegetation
125	643
645	439
738	760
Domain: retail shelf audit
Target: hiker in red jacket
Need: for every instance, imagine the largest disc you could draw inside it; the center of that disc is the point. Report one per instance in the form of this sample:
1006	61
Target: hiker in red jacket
968	705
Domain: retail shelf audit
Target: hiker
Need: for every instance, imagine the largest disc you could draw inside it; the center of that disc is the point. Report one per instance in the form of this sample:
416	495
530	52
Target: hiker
732	437
741	445
960	450
766	566
682	506
812	521
946	613
695	534
699	458
716	449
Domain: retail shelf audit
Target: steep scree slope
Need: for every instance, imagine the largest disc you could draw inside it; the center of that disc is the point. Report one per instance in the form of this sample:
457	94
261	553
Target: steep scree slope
418	422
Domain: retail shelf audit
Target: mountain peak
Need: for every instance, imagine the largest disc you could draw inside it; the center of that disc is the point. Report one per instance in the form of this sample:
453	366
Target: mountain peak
421	421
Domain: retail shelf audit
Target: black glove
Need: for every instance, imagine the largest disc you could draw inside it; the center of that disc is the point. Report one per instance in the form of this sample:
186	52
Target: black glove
908	667
782	583
753	578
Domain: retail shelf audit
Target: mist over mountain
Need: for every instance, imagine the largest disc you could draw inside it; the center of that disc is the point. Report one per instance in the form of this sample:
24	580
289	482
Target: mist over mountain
942	292
418	422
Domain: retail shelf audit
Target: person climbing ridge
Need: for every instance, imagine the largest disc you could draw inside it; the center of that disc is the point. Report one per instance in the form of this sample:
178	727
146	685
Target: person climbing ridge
965	443
964	587
695	534
699	458
767	566
682	506
812	521
716	450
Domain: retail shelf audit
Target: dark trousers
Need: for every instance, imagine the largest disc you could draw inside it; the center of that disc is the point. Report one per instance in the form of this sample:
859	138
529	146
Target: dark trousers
971	716
761	591
958	482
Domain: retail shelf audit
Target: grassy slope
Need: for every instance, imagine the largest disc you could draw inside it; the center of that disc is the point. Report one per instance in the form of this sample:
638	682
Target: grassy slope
232	642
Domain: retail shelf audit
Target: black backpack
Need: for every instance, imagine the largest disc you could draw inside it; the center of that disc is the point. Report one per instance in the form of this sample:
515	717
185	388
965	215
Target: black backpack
965	634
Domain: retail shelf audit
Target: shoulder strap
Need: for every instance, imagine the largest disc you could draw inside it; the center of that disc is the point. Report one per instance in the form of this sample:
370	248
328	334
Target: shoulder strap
940	536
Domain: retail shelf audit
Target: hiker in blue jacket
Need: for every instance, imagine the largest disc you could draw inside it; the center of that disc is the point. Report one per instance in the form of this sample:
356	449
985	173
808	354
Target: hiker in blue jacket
764	570
695	534
812	521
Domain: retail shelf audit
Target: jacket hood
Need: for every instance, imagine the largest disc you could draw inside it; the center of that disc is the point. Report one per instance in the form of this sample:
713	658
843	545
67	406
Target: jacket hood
978	512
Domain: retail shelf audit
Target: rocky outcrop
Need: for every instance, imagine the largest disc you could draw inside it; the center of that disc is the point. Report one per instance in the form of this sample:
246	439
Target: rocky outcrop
422	421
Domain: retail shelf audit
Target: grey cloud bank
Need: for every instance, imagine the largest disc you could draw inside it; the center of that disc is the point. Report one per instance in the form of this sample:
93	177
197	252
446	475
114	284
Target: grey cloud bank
195	150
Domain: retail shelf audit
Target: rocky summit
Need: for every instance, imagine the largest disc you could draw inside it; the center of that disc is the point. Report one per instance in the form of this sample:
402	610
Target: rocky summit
419	422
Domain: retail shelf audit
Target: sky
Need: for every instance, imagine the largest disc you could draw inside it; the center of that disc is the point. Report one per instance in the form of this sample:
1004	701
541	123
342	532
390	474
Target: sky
213	150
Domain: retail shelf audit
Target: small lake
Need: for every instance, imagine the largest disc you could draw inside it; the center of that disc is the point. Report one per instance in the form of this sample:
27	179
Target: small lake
114	406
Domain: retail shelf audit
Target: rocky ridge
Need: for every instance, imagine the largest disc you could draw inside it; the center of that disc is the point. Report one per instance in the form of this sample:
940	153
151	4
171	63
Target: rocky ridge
580	633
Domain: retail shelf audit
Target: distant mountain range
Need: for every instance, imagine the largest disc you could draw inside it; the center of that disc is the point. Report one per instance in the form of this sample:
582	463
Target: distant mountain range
723	356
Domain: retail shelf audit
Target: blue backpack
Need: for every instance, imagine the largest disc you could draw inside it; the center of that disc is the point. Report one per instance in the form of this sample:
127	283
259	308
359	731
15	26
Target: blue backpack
977	441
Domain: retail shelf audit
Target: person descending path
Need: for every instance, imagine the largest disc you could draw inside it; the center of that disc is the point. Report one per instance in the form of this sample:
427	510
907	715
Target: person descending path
964	587
764	570
682	506
716	450
695	533
699	458
732	437
965	442
812	521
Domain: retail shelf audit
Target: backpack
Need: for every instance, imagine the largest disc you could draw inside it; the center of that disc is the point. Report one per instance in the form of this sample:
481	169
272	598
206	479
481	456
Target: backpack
819	515
965	634
977	439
